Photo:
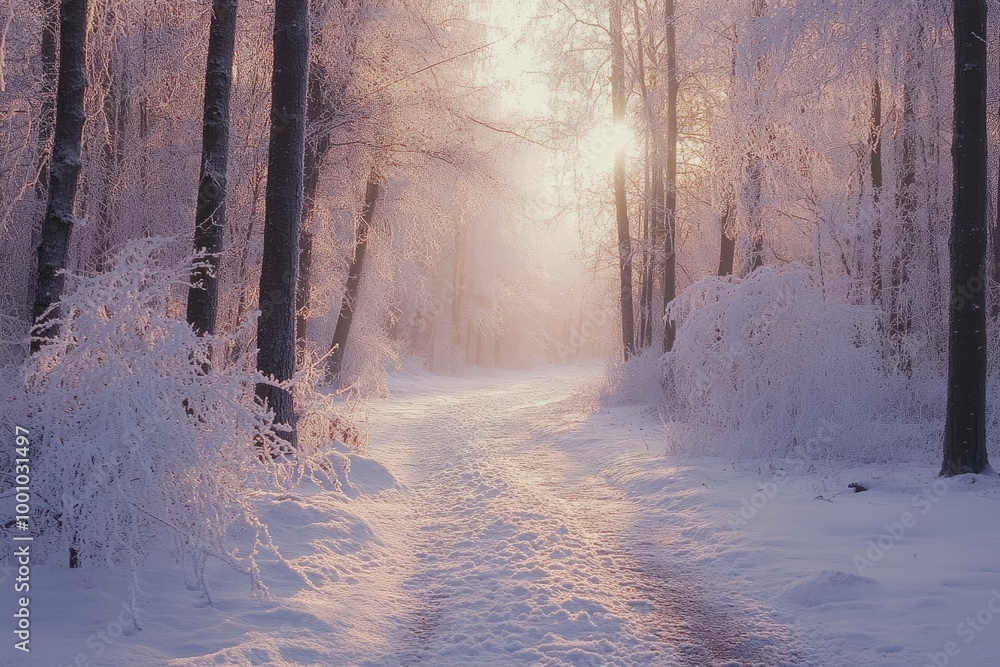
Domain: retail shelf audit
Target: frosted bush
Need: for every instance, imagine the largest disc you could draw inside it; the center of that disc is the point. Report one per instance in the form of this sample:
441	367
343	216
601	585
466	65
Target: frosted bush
136	443
770	366
369	357
638	381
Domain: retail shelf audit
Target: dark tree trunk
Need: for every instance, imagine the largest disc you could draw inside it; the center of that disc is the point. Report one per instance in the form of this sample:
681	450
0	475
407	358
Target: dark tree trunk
727	244
658	235
210	214
875	148
651	212
350	300
646	275
965	423
727	235
50	77
64	169
621	204
283	208
670	189
303	287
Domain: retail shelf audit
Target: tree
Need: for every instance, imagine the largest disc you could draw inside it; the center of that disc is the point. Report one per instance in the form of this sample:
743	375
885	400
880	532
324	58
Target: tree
350	299
875	169
727	244
64	169
621	203
318	141
283	209
50	76
651	218
670	189
317	146
754	180
899	306
210	215
727	231
965	422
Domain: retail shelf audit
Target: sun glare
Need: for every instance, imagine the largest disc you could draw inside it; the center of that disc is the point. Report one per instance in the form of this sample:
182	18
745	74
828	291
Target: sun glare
602	144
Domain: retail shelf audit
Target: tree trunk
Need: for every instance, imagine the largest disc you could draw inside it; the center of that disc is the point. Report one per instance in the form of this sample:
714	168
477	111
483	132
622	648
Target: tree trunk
965	423
727	229
753	256
210	214
651	211
50	77
727	244
906	205
646	274
64	169
670	189
283	208
875	148
350	300
317	146
320	117
621	204
643	214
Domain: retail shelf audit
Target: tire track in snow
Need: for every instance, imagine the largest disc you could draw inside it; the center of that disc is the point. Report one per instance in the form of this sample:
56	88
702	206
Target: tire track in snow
522	555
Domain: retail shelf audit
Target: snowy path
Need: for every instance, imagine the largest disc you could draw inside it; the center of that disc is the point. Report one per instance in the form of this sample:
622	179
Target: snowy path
522	553
492	525
501	521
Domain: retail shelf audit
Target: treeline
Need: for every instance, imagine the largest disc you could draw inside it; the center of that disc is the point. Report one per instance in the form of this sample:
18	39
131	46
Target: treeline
766	134
411	236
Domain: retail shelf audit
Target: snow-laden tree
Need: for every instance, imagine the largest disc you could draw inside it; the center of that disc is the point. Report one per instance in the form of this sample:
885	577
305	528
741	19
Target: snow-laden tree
63	168
138	444
283	210
210	208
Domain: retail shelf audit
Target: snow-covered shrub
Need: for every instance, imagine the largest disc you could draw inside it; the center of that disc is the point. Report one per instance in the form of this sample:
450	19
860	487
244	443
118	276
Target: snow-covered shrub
137	441
770	366
638	381
369	357
322	420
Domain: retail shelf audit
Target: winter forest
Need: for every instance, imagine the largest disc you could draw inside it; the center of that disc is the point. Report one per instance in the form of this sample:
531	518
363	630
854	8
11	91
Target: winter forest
499	332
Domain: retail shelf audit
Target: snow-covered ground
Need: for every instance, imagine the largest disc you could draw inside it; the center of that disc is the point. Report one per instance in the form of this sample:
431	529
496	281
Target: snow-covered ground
502	520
